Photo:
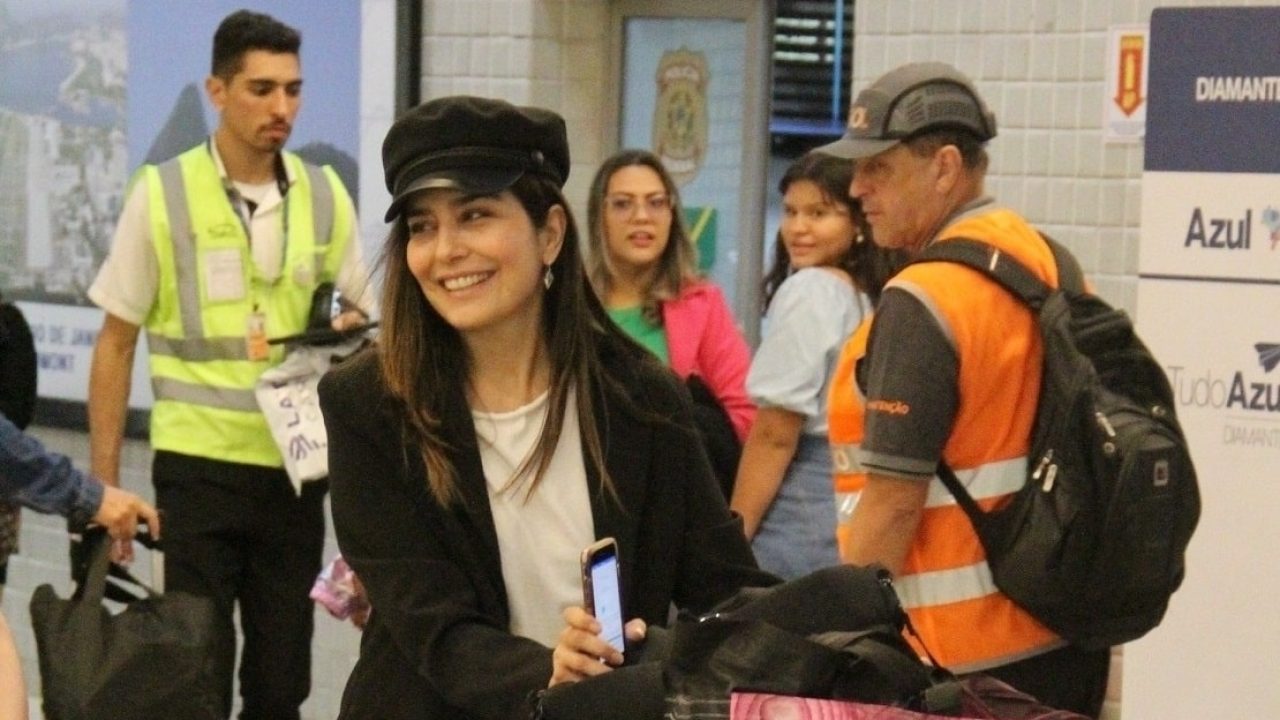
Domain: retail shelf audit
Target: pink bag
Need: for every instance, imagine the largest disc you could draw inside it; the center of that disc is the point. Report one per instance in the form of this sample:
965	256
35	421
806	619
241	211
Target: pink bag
755	706
335	588
982	697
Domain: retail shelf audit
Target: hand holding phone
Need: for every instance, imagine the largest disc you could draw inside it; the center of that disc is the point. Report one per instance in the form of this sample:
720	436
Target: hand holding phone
602	590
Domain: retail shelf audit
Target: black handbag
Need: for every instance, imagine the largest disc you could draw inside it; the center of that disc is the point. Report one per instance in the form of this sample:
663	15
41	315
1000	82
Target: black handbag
715	429
835	633
154	660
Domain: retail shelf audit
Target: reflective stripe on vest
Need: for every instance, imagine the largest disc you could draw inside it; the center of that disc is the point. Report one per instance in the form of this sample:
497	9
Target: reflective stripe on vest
201	374
198	349
986	483
190	393
844	458
321	212
945	586
184	249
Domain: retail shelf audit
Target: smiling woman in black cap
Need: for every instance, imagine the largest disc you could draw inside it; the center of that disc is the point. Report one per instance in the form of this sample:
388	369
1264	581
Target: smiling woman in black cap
501	425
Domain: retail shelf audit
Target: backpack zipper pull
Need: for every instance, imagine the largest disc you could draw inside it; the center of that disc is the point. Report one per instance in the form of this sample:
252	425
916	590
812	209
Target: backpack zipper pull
1048	478
1108	447
1105	424
1044	462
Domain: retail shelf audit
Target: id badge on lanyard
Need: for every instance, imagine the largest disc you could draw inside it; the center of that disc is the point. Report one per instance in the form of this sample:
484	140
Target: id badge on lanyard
255	336
255	333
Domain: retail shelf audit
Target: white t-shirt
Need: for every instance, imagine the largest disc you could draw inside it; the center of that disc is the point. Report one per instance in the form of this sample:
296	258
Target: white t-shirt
257	194
129	279
540	536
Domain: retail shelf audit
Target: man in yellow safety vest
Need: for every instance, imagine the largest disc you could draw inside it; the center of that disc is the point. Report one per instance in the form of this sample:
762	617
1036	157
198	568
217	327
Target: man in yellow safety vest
217	250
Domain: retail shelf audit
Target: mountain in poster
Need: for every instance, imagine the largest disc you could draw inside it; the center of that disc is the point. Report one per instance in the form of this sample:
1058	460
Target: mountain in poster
184	128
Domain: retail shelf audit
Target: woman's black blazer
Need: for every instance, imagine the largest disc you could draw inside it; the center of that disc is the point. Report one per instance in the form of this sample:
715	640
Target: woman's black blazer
437	644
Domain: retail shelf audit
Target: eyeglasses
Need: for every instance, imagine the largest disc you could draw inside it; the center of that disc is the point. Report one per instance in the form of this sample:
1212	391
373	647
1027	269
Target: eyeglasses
626	205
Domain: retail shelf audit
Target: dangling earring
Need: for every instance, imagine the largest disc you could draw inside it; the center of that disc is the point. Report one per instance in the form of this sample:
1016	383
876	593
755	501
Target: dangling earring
547	278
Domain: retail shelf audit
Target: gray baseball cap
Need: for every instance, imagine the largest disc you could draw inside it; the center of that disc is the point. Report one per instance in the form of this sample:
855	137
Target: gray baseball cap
906	101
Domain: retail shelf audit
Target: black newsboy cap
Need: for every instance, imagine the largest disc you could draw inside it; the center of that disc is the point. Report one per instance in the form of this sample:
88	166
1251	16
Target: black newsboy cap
473	144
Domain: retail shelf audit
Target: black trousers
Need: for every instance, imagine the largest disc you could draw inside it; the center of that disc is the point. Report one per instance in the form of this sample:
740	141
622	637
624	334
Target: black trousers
239	534
1064	679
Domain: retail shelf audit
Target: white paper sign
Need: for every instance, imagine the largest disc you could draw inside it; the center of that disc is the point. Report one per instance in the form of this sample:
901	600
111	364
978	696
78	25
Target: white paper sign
223	274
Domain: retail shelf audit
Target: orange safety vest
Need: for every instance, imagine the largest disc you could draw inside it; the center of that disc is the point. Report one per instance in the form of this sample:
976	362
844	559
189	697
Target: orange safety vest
945	583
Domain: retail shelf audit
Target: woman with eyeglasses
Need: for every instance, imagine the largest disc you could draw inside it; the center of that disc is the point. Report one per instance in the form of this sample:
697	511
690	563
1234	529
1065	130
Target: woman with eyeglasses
825	277
643	265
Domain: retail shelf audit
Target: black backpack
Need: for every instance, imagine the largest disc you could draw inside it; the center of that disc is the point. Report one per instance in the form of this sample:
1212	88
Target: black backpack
1093	544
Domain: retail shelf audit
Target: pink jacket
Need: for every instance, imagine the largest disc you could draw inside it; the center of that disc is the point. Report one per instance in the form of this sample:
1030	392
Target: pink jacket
703	340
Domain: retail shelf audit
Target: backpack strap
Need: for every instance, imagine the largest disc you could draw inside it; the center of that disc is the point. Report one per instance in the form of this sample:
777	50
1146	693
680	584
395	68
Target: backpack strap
1001	267
962	496
1070	274
1006	270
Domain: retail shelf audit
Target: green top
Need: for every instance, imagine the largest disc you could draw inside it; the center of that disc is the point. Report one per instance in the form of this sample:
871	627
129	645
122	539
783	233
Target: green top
651	335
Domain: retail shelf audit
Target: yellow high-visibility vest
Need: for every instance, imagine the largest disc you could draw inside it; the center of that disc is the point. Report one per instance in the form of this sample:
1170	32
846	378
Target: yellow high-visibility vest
201	374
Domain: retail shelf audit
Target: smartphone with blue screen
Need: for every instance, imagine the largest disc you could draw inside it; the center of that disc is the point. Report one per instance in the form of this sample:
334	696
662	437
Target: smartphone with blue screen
602	589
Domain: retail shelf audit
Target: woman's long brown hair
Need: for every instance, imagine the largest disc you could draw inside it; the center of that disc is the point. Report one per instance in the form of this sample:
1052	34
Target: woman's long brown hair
425	366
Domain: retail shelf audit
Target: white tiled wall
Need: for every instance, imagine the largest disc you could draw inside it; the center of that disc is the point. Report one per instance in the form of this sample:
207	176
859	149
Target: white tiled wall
1040	64
550	53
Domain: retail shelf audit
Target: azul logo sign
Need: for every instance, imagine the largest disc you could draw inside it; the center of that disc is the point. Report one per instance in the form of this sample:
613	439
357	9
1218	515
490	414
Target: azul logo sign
1250	405
1268	355
1234	391
1226	233
1230	233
